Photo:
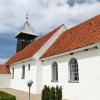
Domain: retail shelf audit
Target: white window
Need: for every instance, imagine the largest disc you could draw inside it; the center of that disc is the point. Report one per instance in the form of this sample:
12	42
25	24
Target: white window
28	67
23	71
54	72
73	68
12	73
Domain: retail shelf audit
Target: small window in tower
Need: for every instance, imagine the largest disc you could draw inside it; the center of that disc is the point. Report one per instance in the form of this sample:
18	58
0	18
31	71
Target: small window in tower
28	67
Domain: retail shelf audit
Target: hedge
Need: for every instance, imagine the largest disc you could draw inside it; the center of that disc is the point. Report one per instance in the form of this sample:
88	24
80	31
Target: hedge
6	96
58	93
45	93
51	93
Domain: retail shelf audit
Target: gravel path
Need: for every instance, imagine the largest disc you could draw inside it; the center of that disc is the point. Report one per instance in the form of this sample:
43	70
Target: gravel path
21	95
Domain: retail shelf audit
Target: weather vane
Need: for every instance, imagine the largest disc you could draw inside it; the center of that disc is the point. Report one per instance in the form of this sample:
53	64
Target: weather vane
27	16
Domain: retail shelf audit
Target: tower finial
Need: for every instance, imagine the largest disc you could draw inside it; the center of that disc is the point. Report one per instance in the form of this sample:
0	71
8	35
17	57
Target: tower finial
27	17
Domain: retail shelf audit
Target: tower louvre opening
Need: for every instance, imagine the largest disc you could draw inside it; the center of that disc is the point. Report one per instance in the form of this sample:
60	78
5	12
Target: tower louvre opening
26	36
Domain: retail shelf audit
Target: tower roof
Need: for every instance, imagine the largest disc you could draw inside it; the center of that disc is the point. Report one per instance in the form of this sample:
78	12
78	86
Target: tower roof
27	28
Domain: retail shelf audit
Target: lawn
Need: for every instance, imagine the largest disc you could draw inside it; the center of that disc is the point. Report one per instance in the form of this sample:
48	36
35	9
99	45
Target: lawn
6	96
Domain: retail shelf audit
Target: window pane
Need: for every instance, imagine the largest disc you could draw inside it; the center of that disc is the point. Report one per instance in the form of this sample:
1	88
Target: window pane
12	73
23	71
54	72
28	67
73	64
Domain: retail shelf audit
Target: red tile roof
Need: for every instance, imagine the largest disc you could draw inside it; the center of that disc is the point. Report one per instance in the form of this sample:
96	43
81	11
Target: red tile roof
31	49
82	35
4	69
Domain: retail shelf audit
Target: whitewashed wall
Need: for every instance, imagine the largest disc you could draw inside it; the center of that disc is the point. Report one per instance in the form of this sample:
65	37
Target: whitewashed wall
35	73
88	87
4	80
20	84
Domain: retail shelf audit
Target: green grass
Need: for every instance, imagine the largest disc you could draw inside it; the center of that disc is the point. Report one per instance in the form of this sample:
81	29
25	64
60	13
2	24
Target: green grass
6	96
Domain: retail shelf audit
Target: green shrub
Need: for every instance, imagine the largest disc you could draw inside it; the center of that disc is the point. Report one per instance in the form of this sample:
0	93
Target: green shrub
6	96
51	93
45	93
58	93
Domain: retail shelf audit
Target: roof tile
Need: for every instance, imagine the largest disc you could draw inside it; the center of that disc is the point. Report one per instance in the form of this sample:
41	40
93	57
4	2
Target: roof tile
31	49
4	69
82	35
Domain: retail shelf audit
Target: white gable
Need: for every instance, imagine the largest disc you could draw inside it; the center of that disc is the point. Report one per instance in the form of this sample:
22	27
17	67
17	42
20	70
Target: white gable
47	45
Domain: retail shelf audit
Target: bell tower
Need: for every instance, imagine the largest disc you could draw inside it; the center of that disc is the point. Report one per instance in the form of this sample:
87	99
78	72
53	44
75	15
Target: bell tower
26	36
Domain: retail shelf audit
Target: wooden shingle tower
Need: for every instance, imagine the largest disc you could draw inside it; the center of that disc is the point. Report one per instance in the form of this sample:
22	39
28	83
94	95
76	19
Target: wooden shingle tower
26	36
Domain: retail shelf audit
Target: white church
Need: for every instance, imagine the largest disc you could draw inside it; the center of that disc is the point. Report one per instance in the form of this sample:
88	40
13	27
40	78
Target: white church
65	57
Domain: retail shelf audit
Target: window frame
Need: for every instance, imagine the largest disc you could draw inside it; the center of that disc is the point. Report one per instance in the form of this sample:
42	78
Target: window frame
23	72
12	76
73	70
29	67
54	71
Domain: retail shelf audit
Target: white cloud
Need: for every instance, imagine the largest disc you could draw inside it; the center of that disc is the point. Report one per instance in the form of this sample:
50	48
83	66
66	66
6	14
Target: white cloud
44	15
83	12
3	60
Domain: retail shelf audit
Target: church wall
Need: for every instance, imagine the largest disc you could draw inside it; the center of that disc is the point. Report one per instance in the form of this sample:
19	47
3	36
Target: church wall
4	80
40	52
20	84
39	77
88	87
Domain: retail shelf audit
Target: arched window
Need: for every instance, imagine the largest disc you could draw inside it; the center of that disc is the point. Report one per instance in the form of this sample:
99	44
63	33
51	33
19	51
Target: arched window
13	73
23	71
54	72
28	67
73	68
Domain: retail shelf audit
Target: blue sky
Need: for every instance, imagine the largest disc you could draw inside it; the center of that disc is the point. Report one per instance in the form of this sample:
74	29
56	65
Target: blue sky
44	16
